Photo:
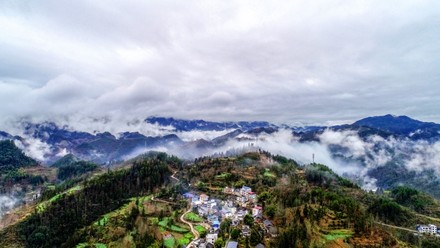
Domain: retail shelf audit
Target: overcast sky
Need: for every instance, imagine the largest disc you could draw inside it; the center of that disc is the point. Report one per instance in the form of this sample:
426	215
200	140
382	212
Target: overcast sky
283	61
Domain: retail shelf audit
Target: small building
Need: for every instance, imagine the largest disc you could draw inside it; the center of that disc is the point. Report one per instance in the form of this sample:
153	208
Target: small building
256	211
252	197
228	190
245	190
204	197
267	224
188	195
215	225
212	218
240	214
273	231
211	237
431	229
260	245
232	244
246	230
202	210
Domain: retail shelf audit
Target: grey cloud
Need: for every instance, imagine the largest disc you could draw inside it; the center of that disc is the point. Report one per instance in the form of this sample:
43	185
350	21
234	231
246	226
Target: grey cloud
280	61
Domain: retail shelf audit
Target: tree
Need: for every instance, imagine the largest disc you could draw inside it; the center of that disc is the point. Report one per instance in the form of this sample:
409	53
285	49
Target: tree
270	211
248	220
256	235
224	226
219	243
235	233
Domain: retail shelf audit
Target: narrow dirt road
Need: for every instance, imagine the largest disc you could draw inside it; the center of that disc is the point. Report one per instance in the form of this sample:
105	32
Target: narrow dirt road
174	176
194	232
397	227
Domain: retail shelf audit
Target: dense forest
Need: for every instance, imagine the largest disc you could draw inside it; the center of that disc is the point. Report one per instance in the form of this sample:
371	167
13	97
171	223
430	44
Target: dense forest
75	169
11	157
56	225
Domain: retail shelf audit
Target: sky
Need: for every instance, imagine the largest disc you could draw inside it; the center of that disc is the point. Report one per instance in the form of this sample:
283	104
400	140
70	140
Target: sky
309	62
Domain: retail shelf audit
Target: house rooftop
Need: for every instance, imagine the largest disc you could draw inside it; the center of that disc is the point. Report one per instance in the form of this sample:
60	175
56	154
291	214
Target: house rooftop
231	244
267	223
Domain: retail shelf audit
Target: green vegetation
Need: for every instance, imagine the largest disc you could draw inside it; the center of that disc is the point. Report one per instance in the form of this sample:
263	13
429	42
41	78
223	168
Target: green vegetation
167	223
338	234
42	206
416	200
169	242
223	176
68	159
193	217
75	169
267	173
199	228
11	157
98	196
12	164
308	206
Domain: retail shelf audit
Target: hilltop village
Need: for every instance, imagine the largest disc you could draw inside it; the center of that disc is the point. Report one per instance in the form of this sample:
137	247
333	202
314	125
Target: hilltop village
240	208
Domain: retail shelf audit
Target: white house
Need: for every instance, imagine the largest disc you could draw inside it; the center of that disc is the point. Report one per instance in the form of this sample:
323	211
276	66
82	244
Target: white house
211	238
431	229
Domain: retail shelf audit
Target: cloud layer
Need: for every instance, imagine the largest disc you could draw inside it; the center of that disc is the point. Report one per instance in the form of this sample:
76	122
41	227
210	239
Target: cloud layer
294	61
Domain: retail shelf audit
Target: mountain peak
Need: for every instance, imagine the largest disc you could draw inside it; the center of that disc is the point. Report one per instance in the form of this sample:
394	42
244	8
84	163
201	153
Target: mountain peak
401	125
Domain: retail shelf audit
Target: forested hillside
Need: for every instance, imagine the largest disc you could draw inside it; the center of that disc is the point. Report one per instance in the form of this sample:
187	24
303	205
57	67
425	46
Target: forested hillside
55	224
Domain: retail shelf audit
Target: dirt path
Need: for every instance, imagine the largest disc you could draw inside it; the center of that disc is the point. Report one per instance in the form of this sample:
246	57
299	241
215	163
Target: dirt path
194	232
174	176
429	217
397	227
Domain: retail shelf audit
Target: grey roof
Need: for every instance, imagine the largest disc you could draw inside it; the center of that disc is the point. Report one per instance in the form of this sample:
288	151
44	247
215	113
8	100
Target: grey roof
260	246
232	244
267	223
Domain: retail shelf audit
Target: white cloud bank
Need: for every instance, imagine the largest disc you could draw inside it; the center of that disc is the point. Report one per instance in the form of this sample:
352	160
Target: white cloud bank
281	61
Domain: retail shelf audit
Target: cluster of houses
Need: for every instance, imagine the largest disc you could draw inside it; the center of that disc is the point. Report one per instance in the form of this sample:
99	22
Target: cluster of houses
429	229
239	203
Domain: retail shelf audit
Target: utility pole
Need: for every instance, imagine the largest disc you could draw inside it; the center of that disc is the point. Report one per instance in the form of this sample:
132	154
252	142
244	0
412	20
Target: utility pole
313	158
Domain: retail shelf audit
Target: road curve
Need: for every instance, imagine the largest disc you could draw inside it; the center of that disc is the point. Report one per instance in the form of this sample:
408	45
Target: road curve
194	232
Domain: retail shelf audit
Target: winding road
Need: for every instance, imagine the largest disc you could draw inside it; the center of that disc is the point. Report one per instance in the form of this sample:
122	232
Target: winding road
194	232
182	218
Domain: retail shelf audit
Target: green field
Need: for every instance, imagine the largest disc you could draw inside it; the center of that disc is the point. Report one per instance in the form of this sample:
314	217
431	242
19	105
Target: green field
178	229
267	173
102	221
200	228
169	242
193	217
174	228
183	241
338	234
163	222
223	175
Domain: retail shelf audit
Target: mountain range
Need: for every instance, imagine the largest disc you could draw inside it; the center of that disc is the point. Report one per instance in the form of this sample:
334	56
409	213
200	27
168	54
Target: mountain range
371	148
106	147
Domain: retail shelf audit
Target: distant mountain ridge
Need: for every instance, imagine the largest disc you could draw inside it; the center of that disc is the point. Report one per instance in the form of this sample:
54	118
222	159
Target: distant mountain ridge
402	125
201	125
104	147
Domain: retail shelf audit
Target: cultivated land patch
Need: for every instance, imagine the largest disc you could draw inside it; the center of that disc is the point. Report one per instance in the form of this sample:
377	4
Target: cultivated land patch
338	234
193	217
